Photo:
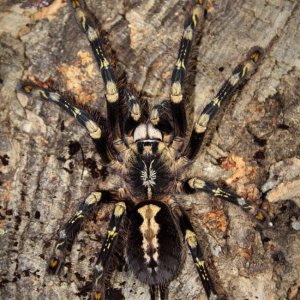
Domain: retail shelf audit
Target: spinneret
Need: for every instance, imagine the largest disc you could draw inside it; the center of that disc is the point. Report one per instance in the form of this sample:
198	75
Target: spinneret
149	151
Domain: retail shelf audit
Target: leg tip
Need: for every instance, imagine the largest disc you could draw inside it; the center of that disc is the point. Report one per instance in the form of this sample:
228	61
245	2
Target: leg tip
54	265
256	54
97	296
263	218
25	87
75	3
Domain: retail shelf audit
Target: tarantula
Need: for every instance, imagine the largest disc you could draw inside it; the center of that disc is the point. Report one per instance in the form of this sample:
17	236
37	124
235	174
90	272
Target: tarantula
147	149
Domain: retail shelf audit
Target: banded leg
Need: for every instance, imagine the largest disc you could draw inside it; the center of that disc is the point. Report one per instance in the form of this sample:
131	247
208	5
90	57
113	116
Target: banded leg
239	76
68	231
107	72
179	72
196	184
98	132
107	250
195	250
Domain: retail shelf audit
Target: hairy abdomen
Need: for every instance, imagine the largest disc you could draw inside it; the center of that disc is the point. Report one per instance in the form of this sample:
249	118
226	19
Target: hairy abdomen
154	248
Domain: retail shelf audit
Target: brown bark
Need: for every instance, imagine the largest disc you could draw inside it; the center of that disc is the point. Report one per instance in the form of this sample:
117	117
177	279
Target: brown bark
41	182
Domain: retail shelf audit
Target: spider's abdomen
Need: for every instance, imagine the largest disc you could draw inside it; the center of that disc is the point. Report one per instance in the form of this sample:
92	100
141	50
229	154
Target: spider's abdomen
154	248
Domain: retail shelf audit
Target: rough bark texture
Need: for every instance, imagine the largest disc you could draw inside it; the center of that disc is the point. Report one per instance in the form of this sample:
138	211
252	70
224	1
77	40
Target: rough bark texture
254	149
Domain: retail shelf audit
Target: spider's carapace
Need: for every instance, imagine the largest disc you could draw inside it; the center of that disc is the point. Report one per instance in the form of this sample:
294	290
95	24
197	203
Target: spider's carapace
149	168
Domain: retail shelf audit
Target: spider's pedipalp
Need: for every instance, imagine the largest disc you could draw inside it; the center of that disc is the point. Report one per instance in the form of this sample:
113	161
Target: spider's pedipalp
70	229
197	184
96	130
160	117
239	76
132	112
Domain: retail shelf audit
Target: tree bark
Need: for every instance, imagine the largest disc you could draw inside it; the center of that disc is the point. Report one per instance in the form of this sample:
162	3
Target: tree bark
253	147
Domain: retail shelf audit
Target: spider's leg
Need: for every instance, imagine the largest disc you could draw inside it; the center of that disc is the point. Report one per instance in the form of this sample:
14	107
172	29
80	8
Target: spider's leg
69	230
239	76
97	130
196	184
195	250
107	249
107	72
179	72
160	117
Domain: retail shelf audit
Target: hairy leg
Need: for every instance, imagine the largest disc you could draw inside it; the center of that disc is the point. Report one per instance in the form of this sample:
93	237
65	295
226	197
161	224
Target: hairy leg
239	76
70	229
195	184
107	72
195	250
107	250
179	72
96	129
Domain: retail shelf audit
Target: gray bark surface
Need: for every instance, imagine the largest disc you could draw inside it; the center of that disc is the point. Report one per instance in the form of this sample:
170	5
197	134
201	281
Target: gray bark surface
254	148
